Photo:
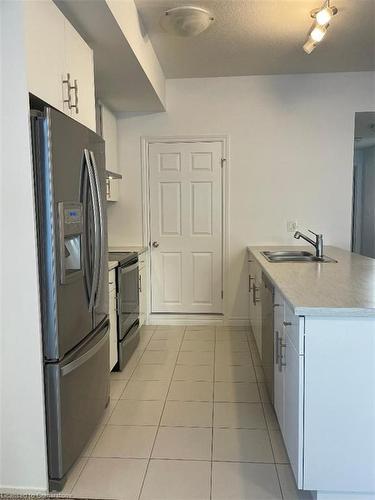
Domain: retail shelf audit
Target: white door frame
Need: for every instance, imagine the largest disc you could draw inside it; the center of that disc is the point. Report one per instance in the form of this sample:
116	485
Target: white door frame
146	231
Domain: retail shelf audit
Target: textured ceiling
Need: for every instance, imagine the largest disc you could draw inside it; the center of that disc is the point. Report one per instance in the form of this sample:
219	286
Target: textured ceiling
253	37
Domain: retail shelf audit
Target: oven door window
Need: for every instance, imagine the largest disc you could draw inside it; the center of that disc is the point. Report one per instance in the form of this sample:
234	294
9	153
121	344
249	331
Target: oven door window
128	297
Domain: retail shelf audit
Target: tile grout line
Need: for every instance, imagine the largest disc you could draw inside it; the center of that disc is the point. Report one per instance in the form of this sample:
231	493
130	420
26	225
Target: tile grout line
265	418
135	367
107	422
212	421
161	416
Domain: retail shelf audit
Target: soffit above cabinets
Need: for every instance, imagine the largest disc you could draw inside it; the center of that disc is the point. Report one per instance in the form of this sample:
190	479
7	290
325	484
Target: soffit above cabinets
128	76
262	37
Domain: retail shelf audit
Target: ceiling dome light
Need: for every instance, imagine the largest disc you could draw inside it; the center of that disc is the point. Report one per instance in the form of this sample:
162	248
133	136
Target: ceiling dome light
186	20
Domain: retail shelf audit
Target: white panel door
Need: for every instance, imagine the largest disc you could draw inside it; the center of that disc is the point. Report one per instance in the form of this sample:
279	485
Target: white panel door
186	227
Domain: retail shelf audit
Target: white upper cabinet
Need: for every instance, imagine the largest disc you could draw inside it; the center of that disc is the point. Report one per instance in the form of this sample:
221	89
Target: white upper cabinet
79	63
44	40
109	133
54	50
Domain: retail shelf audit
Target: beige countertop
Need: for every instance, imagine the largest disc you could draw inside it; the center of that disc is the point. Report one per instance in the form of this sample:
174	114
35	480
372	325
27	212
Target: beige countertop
139	250
345	288
112	264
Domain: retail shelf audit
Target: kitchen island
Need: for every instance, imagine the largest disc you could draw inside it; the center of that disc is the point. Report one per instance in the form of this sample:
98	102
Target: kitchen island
323	366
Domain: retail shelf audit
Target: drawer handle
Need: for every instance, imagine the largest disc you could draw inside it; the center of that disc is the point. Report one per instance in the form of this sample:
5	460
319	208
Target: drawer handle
111	282
287	323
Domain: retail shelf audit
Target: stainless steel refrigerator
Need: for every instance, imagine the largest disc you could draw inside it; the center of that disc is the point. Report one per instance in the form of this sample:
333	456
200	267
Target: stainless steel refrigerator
69	173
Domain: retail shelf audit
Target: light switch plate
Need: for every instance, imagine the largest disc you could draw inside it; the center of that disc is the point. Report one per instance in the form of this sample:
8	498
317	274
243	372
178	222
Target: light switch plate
291	226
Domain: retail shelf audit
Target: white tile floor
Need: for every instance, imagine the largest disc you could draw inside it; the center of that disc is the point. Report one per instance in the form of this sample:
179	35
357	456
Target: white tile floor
189	419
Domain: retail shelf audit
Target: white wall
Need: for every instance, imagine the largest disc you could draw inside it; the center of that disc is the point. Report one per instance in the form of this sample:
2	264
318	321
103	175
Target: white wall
291	157
22	446
126	14
109	132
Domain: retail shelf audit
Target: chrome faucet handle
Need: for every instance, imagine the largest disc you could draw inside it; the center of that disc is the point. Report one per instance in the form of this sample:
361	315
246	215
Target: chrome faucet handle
318	235
318	243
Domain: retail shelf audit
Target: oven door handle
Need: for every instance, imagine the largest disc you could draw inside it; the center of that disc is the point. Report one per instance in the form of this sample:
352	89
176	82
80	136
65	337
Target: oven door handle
128	269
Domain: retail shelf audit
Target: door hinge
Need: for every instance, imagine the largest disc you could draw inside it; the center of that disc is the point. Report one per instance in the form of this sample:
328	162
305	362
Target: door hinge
222	294
223	160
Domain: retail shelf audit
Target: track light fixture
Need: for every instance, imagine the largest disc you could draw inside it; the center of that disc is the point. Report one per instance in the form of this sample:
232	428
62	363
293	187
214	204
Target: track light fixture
322	17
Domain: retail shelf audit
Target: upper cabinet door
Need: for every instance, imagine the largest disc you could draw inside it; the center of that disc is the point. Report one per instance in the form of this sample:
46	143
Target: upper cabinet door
79	63
44	40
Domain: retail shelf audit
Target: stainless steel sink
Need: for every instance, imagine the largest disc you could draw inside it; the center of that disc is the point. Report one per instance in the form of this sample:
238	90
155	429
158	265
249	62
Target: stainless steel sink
294	256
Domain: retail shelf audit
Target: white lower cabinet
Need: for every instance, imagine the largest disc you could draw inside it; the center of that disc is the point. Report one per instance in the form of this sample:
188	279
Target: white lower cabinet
289	383
113	356
278	335
292	429
255	309
324	388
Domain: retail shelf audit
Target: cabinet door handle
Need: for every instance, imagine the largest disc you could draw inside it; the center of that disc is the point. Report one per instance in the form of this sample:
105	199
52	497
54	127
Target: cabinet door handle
282	356
277	348
250	278
75	88
287	323
108	186
140	283
257	299
69	88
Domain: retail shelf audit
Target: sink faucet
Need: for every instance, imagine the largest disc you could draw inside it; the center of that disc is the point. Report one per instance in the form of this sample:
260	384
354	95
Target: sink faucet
317	244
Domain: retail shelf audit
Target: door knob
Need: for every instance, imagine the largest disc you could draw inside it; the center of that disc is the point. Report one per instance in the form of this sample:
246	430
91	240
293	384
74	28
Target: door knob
155	244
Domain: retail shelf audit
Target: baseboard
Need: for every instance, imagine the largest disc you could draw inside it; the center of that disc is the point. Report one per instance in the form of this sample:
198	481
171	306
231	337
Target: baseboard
24	492
195	319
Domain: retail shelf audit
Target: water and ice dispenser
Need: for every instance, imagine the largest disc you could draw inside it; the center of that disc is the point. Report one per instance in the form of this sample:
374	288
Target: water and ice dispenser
71	229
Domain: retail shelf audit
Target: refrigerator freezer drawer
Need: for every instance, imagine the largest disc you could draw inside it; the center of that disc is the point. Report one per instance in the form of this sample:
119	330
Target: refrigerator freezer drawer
77	392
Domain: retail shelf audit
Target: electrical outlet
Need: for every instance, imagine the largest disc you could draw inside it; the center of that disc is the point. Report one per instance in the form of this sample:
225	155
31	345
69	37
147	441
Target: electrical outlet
291	226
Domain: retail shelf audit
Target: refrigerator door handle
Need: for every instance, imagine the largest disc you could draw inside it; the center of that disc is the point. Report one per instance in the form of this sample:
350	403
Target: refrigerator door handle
96	259
99	198
84	357
84	197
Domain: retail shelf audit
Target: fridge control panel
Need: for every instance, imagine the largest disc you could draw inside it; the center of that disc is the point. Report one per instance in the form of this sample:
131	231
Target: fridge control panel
71	228
72	216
